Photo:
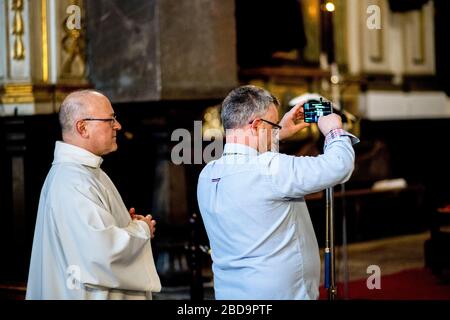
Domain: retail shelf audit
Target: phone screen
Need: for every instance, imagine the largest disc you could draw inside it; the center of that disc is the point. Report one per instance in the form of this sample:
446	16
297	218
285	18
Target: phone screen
314	110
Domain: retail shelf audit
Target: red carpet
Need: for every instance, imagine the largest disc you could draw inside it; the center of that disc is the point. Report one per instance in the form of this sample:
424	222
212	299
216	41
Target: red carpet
415	284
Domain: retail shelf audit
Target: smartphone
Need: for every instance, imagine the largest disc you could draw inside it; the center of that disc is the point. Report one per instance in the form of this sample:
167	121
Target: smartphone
315	109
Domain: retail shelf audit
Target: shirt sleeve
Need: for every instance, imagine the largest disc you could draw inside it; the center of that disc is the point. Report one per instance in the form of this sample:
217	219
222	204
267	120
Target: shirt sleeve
336	133
107	255
295	177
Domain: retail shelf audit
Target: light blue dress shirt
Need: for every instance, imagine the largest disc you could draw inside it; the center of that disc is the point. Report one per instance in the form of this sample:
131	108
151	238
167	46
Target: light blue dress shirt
262	239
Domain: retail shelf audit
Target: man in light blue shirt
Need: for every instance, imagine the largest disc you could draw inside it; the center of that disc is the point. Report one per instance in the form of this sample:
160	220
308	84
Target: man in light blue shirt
252	199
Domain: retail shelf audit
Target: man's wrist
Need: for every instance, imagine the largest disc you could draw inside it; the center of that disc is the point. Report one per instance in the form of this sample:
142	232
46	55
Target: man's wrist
146	227
338	132
329	131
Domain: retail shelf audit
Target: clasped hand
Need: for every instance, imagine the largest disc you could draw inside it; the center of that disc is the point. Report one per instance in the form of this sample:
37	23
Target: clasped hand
147	219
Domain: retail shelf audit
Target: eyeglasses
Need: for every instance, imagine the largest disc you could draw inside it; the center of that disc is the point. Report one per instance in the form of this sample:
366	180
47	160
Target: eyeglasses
111	120
276	126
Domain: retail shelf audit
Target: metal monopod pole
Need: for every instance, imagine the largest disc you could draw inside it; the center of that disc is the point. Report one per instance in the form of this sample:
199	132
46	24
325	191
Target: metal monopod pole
330	279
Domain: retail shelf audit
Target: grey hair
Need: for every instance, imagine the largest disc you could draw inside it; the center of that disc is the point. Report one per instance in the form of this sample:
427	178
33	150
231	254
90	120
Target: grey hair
73	108
245	103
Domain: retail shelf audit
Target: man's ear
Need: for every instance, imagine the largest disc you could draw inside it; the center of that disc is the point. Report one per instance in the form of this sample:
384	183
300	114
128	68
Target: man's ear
254	126
81	129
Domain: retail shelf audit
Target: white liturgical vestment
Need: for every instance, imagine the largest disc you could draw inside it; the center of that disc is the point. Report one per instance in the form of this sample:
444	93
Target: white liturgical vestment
86	246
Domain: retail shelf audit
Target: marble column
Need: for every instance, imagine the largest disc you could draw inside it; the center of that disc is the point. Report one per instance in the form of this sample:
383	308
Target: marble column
162	49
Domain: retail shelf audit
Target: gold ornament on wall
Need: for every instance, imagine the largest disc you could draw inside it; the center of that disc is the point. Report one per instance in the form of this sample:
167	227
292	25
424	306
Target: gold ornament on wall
18	30
212	123
73	45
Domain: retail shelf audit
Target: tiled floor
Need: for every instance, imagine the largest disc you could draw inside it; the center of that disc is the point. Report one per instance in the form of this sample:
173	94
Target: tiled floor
391	255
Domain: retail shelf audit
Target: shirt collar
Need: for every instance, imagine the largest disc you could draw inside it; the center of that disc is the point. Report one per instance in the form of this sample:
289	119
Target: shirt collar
237	148
65	152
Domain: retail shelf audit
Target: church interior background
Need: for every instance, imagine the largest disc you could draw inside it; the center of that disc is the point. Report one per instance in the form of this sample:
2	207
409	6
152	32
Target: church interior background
168	63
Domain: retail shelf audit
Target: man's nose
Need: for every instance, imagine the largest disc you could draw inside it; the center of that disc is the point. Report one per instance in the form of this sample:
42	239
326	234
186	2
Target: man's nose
117	126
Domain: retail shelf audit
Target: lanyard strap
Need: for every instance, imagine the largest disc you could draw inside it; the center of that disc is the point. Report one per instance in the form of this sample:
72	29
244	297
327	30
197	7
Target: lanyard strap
233	154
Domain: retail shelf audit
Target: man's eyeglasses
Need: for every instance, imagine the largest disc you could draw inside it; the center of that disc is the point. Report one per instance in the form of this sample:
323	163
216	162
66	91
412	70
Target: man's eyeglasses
276	126
111	120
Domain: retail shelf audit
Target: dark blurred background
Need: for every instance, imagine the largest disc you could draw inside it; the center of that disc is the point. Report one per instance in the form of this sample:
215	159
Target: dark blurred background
166	64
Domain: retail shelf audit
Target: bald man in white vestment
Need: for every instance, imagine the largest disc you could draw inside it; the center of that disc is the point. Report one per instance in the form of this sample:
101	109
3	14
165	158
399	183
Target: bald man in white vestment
87	245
